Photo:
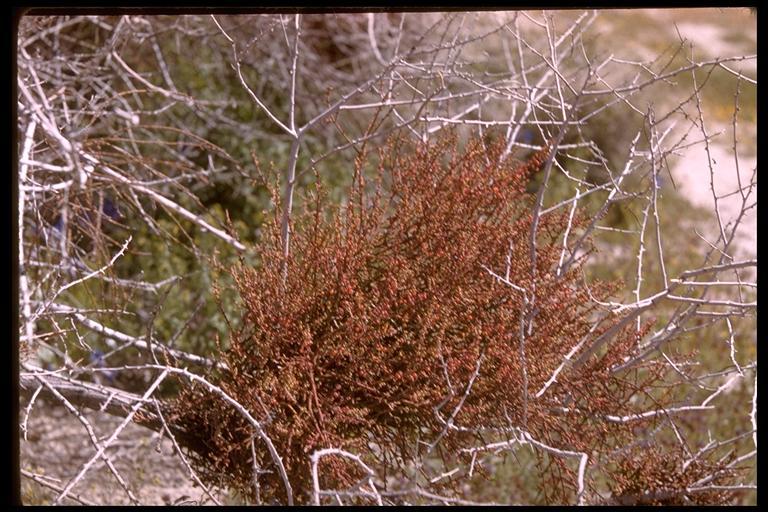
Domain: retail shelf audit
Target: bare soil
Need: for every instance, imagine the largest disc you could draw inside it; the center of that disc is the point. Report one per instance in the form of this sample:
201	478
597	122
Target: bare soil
57	446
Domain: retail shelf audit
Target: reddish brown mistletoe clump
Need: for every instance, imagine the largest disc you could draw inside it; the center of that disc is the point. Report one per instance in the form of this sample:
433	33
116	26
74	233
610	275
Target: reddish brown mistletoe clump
386	313
652	476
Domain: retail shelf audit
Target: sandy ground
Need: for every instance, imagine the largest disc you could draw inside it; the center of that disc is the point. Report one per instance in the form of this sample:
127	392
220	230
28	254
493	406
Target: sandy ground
712	33
57	446
693	179
692	171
